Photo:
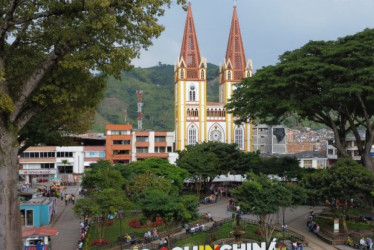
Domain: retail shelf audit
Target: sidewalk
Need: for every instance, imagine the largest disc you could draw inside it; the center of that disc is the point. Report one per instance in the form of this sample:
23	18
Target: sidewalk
67	223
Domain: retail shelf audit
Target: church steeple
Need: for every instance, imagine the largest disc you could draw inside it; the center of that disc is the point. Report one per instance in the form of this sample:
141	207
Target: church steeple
235	56
190	53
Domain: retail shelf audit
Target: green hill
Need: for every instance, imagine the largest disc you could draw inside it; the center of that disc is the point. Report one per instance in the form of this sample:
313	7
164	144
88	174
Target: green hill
157	83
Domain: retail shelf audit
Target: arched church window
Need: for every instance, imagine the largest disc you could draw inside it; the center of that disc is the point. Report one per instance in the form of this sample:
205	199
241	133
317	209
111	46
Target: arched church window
192	135
188	112
238	137
197	113
202	74
192	94
229	75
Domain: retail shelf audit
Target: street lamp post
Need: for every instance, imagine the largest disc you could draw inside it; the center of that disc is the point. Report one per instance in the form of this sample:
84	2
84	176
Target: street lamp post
284	222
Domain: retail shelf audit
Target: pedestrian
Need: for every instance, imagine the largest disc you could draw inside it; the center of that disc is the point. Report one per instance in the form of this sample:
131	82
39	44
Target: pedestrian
66	199
81	224
73	199
155	234
369	242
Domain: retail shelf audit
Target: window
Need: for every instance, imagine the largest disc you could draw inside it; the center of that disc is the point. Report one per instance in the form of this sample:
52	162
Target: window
121	142
229	75
27	217
65	169
330	142
101	154
239	138
330	151
160	138
47	165
119	132
192	136
202	74
308	163
170	149
64	154
192	94
182	73
142	150
142	138
121	152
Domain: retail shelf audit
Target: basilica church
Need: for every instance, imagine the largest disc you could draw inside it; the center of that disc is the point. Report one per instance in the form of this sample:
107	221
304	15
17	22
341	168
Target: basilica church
197	120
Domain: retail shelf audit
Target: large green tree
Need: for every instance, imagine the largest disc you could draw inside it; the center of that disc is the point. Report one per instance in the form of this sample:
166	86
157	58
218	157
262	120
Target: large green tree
153	172
264	198
173	209
329	82
343	182
100	206
45	43
207	160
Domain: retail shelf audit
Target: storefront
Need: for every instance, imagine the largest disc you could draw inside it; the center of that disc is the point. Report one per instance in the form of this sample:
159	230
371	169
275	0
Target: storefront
38	176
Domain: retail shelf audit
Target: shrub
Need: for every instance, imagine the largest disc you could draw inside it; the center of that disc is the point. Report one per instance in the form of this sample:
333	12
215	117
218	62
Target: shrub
99	242
136	223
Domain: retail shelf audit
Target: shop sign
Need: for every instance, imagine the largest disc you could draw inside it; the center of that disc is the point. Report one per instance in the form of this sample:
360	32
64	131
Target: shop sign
37	171
243	246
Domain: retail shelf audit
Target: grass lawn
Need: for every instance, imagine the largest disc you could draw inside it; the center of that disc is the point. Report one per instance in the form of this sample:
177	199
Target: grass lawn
327	224
113	232
223	232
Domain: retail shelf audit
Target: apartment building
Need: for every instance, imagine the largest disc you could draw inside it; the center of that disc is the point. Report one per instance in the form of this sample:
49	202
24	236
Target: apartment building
41	164
123	145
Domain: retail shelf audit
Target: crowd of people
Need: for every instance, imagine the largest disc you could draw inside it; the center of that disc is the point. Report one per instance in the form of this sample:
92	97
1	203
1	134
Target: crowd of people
312	225
84	226
149	236
68	198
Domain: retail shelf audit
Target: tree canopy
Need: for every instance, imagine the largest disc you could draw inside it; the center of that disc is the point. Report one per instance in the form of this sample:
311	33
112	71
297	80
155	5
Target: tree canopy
48	51
155	168
329	82
263	197
207	160
339	185
171	208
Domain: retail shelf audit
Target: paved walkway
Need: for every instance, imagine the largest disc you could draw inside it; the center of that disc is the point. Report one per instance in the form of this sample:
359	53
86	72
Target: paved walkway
69	232
294	218
67	223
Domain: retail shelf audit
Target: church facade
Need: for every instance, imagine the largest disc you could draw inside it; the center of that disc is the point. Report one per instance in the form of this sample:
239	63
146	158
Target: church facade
197	120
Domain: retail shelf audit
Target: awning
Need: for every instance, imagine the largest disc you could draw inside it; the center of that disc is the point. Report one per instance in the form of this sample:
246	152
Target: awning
46	231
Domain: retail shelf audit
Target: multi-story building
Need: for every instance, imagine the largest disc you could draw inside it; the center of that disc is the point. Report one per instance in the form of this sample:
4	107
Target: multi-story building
50	163
197	120
269	139
124	145
352	149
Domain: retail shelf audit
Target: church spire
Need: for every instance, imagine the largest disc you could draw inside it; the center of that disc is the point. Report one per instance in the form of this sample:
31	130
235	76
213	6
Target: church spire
190	53
235	49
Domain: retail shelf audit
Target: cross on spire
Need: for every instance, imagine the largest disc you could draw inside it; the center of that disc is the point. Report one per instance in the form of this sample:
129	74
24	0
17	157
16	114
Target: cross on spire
235	2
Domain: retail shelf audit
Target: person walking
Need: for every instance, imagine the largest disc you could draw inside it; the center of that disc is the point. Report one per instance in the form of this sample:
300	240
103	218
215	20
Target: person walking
66	199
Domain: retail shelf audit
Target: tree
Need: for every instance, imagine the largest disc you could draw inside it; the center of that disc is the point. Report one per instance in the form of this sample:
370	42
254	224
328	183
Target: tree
171	208
327	82
154	168
201	166
339	185
102	176
263	198
286	167
207	160
101	206
45	44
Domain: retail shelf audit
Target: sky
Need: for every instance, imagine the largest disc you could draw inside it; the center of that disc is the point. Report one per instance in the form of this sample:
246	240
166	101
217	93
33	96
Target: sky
269	27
